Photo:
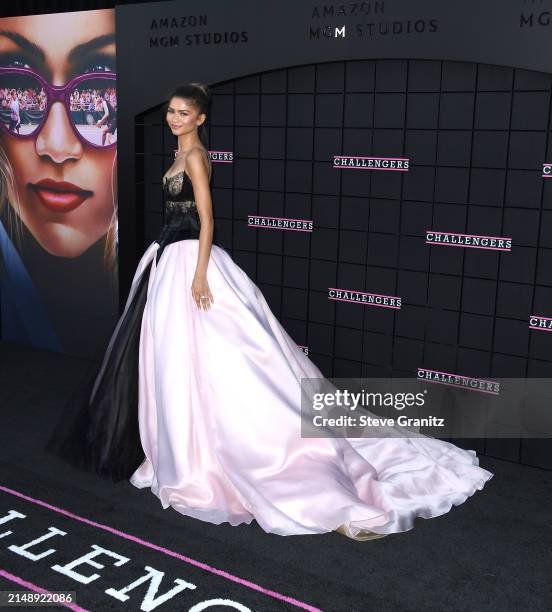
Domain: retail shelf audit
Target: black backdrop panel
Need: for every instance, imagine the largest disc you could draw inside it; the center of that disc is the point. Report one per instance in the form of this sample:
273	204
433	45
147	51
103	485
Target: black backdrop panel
476	133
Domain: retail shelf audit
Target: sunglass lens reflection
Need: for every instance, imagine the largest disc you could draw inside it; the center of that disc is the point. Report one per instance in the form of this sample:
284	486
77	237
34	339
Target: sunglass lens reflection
22	103
90	100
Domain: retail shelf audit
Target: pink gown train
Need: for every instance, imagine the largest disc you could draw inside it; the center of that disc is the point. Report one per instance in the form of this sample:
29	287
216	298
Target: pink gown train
218	411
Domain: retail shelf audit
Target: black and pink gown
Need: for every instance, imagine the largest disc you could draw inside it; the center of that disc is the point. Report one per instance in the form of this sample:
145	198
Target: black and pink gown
203	408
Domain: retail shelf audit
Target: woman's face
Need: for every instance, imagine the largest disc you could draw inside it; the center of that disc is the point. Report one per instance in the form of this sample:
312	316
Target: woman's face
183	117
44	43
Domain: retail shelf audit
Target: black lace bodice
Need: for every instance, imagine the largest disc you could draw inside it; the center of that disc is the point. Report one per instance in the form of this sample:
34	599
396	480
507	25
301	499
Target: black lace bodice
181	220
179	195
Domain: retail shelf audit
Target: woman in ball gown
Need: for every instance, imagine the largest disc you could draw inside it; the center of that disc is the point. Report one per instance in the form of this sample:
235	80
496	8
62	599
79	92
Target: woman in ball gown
199	394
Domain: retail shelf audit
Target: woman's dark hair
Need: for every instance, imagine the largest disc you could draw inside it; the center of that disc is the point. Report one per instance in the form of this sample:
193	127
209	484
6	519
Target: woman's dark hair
200	96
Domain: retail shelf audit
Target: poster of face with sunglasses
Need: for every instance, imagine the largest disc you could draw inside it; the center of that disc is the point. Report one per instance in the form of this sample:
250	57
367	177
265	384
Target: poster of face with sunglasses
58	209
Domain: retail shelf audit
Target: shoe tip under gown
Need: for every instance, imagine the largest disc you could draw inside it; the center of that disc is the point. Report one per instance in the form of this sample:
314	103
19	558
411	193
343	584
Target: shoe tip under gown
219	403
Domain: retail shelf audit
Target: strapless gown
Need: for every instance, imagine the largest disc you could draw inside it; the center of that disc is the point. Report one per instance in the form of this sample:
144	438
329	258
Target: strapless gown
203	408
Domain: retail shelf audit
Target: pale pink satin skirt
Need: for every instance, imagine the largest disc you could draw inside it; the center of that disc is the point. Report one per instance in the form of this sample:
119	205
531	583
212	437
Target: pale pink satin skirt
219	406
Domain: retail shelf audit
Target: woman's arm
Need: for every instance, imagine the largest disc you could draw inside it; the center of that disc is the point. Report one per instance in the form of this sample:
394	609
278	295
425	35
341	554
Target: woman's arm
198	171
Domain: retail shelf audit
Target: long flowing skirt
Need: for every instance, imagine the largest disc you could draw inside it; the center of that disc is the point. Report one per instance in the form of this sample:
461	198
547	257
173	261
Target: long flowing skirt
206	414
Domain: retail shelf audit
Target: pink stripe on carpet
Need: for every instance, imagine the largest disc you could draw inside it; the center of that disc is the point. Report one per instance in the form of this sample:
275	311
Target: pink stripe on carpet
166	551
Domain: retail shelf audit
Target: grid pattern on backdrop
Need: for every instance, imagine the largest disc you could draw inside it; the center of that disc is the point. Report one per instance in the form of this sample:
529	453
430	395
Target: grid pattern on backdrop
476	135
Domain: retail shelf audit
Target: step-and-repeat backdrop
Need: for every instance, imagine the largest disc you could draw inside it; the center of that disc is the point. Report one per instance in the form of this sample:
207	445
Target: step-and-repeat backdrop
380	172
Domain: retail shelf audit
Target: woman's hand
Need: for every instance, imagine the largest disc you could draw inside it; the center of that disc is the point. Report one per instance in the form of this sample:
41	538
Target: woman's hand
201	292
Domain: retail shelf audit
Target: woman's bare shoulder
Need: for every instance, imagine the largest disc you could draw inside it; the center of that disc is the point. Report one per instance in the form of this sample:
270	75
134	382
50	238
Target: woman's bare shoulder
196	158
197	152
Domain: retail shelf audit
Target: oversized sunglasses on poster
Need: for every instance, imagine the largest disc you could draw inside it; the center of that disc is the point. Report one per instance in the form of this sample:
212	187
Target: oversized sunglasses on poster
90	101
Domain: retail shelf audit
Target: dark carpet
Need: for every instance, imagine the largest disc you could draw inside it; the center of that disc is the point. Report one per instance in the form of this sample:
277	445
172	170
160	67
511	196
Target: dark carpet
116	548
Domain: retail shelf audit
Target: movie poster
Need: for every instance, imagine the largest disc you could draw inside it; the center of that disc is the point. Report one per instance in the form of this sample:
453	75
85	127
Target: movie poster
58	181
